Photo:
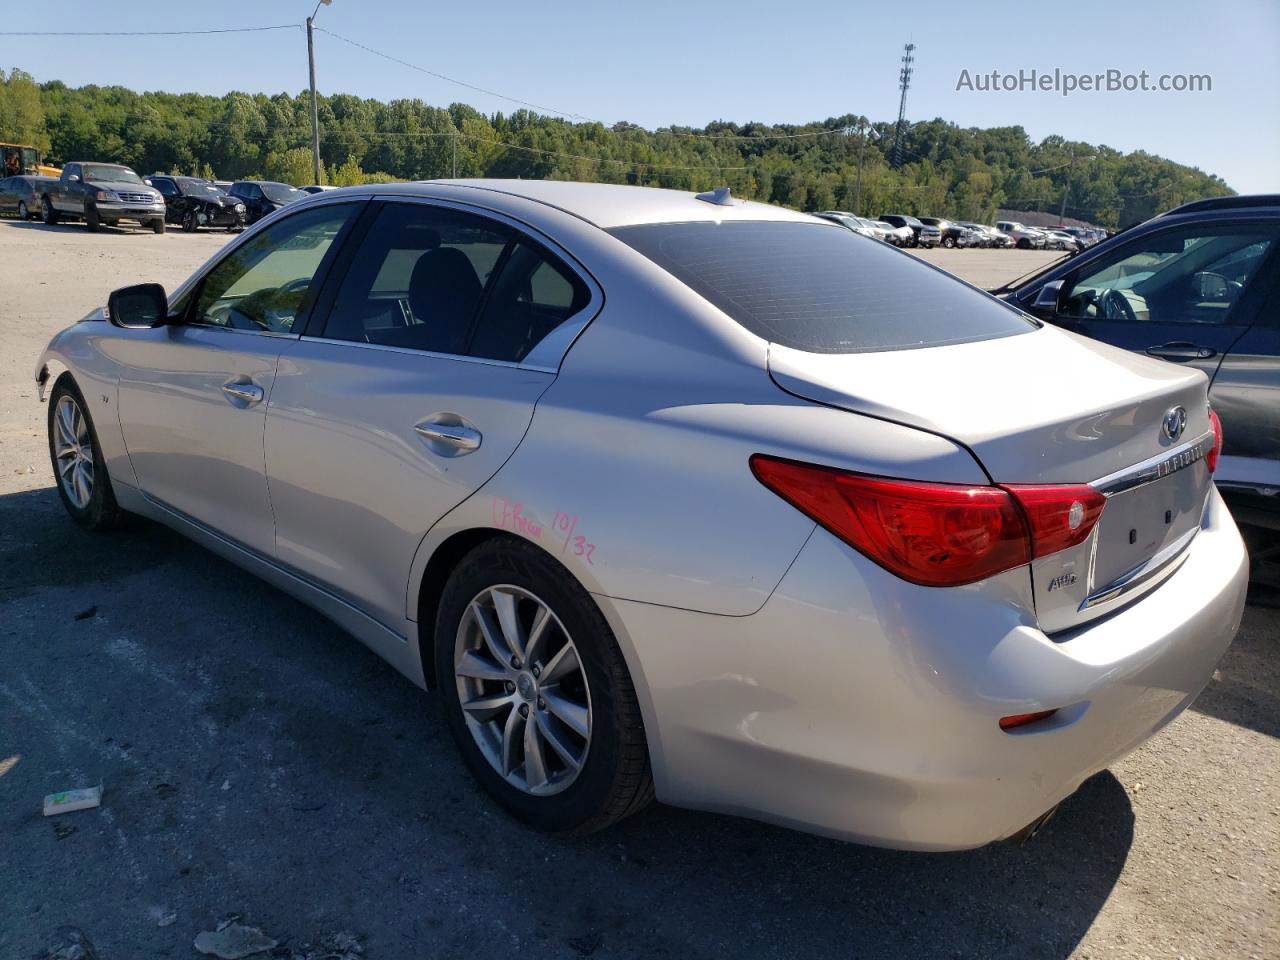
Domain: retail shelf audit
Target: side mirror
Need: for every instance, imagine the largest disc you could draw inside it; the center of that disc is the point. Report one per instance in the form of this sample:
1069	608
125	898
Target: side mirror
73	178
1049	297
138	307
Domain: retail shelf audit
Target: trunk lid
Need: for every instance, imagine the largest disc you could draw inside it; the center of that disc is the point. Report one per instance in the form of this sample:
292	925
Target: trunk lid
1048	407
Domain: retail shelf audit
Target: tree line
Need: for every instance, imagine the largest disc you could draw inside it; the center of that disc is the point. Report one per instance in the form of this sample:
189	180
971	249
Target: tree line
946	170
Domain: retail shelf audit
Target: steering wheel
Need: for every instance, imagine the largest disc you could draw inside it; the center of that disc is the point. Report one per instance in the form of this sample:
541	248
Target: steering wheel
1114	305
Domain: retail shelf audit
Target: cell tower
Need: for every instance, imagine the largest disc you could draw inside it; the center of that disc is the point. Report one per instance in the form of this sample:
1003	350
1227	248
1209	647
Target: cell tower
904	81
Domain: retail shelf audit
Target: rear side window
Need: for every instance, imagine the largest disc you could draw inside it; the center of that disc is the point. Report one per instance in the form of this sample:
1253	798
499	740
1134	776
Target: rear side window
822	288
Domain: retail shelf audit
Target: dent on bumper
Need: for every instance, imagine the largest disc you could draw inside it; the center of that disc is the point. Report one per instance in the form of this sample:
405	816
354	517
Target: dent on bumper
857	705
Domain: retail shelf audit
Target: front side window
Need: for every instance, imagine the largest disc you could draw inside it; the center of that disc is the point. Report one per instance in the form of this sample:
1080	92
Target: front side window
440	280
263	285
165	187
1193	274
820	288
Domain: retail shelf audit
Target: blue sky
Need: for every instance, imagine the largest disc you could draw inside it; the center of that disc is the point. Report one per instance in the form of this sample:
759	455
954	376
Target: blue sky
690	62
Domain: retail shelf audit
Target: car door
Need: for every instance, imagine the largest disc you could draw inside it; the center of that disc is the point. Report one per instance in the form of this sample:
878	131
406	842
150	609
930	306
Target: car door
172	196
192	394
1184	294
65	194
9	194
417	388
1246	395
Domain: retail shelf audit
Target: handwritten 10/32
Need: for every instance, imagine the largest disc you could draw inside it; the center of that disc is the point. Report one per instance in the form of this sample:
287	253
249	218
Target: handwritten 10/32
510	515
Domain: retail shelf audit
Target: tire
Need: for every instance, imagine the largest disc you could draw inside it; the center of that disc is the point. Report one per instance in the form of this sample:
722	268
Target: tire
1024	244
613	778
189	222
23	212
91	219
48	214
72	435
948	243
157	226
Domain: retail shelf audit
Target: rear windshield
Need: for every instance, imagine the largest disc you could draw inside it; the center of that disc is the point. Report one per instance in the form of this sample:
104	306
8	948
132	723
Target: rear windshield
822	288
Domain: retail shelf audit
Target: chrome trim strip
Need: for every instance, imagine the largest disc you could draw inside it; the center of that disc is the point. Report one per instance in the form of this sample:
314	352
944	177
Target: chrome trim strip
412	351
1155	468
1169	558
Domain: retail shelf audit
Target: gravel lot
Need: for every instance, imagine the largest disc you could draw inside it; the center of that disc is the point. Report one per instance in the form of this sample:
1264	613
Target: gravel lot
259	762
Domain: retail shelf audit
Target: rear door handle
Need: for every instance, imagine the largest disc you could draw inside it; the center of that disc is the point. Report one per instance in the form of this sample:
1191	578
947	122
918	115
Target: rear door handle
247	393
1181	351
448	435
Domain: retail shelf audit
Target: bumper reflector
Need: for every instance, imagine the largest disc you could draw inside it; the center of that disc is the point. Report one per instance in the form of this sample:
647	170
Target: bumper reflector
1022	719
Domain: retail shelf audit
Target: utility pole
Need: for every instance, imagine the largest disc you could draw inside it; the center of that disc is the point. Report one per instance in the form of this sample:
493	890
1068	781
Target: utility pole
455	156
904	81
857	190
1067	189
315	109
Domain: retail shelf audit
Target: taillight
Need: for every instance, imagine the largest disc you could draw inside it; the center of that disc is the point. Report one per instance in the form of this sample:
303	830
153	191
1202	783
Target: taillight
1016	720
1212	458
935	534
1060	516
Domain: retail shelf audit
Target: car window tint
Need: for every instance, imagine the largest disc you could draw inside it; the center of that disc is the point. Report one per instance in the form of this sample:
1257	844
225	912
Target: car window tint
822	288
1191	274
417	279
262	285
532	295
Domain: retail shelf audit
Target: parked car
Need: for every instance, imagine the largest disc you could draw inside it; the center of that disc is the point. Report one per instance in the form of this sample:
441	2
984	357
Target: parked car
988	236
1061	240
898	236
1024	237
261	197
1198	286
659	493
196	203
102	193
314	188
950	234
851	222
922	234
20	196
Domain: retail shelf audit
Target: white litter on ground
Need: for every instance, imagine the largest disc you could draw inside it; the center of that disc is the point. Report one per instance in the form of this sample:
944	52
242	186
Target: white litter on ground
69	800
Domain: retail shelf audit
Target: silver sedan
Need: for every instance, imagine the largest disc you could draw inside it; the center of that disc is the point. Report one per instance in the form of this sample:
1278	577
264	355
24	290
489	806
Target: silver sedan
678	495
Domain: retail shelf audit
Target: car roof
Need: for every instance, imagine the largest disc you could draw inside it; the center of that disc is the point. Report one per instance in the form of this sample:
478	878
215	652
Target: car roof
1235	202
606	205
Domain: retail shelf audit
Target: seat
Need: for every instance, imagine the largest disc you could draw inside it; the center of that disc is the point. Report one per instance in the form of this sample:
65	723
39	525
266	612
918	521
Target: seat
444	291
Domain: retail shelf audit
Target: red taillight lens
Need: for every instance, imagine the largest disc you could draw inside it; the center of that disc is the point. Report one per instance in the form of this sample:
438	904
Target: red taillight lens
1060	516
935	534
1022	719
1212	458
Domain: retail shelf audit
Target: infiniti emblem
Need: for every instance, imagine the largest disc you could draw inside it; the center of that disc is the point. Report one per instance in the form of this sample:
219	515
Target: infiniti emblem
1175	421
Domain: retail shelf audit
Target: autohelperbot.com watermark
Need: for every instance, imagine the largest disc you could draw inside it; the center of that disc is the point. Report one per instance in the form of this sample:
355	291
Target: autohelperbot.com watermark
1066	83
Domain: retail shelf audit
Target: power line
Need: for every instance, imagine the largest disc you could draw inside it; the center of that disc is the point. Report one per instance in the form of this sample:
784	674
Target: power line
143	33
570	113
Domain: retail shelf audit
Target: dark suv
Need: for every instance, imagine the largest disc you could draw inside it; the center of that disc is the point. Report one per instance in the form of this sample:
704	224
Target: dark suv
1198	285
922	235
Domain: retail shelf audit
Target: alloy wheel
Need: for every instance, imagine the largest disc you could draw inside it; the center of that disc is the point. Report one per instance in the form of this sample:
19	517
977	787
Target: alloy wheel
73	449
23	212
523	690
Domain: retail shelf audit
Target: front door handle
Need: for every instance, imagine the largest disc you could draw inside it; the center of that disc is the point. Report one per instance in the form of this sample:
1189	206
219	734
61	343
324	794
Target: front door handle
1181	351
448	435
247	393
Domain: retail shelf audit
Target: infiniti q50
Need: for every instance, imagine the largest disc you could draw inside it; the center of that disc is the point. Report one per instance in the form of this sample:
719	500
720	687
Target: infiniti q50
679	495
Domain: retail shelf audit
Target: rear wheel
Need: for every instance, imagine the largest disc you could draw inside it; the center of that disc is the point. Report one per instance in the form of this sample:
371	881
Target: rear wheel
49	215
536	691
83	483
23	212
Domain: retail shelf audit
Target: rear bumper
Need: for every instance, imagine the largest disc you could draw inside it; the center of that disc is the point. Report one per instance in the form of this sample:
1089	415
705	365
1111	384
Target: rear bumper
856	705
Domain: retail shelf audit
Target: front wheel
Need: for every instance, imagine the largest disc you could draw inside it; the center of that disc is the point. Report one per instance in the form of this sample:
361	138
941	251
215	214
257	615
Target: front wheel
189	222
91	219
948	242
536	691
157	226
78	466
